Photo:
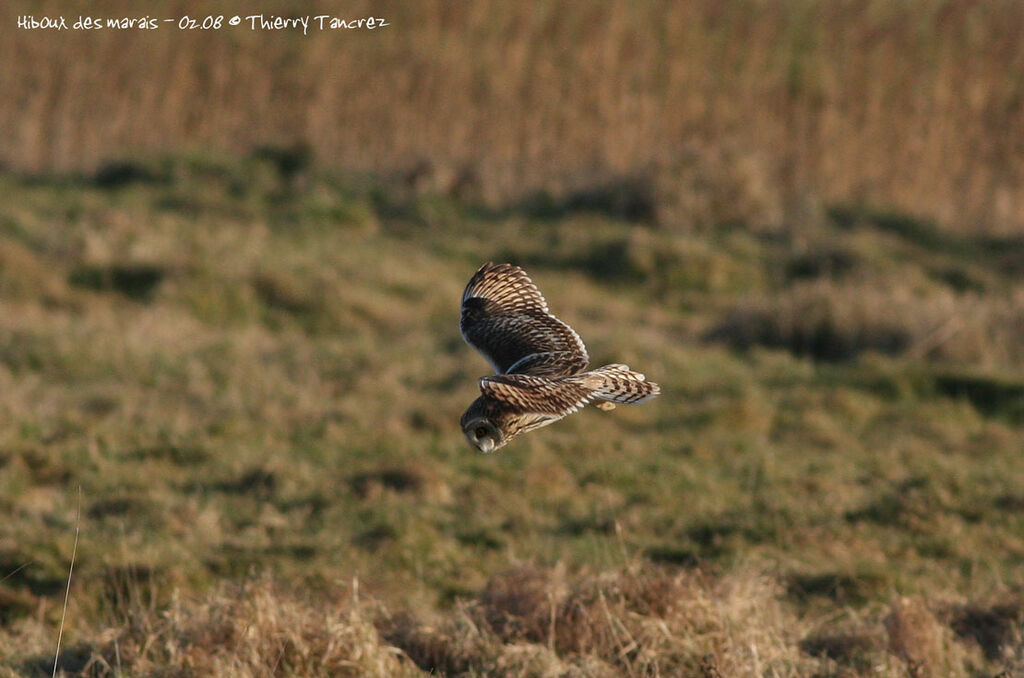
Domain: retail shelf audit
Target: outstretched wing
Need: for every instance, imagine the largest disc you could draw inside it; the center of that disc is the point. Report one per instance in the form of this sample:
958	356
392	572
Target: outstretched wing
505	317
507	286
528	394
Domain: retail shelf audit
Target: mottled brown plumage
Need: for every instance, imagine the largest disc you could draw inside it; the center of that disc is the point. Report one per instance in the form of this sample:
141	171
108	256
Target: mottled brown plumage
505	317
539	360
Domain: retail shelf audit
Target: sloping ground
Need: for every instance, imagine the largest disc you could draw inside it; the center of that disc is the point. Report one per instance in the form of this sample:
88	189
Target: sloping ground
224	369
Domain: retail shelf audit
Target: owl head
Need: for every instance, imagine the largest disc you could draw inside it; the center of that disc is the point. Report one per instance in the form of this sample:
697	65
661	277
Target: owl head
481	426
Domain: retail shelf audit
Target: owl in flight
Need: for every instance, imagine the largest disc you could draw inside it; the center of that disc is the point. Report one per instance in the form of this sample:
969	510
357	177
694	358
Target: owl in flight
539	360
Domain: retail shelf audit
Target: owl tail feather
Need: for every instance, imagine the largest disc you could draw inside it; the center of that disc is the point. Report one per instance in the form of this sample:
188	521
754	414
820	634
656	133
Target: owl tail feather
617	384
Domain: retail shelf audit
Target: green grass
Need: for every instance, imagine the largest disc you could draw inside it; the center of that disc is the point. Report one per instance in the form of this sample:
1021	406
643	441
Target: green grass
239	370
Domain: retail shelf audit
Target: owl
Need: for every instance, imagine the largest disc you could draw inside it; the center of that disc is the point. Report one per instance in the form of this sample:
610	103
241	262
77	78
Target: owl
540	361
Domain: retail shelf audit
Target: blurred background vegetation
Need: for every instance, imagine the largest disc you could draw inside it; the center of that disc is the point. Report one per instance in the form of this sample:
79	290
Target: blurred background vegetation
766	106
230	265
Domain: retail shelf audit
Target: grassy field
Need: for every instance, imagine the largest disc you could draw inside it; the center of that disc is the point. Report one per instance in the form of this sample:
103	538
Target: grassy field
231	374
240	379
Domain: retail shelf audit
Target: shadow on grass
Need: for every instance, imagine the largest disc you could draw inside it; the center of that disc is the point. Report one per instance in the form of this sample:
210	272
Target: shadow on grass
991	396
370	484
257	482
135	281
182	456
992	627
821	336
20	572
75	660
630	198
856	650
840	588
673	555
1005	252
120	173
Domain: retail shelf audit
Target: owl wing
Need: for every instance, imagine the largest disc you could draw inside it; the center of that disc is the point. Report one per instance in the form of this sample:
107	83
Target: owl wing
529	394
505	318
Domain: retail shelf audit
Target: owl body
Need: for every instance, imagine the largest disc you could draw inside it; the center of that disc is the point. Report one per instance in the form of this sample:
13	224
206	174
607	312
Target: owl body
539	360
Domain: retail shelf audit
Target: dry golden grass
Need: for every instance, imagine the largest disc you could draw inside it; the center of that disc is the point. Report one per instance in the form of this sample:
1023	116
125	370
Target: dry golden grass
634	622
748	109
528	622
247	630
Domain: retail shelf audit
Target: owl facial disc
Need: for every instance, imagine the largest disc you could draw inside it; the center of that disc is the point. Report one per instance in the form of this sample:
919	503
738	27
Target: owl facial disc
482	434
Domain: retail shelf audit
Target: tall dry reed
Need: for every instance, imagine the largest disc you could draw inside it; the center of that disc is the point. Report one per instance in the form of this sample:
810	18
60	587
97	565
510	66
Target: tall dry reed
918	105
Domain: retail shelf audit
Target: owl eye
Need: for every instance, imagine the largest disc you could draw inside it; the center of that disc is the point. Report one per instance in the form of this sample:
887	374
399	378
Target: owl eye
480	432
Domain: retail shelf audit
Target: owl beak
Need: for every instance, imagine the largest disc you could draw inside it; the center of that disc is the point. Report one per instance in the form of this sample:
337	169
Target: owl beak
485	445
